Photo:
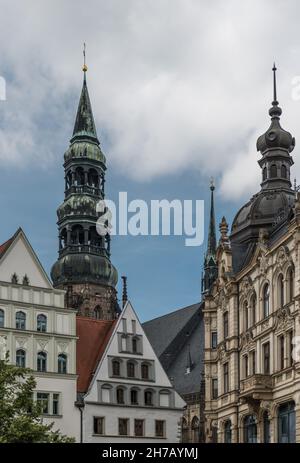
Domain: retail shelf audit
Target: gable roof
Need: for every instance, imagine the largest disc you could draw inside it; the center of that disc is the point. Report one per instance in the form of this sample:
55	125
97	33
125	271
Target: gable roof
7	247
178	339
93	338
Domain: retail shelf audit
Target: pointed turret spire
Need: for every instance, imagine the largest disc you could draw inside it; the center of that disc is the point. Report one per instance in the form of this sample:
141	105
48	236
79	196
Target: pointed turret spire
84	124
212	242
210	264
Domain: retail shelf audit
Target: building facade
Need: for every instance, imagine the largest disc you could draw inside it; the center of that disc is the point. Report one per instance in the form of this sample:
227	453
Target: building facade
251	309
124	393
38	332
84	269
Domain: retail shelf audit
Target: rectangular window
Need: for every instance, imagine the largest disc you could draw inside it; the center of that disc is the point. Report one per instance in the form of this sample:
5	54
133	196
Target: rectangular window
55	404
43	400
253	355
246	368
98	425
124	325
123	426
139	428
291	348
225	324
215	388
281	352
226	377
160	428
266	358
133	326
214	340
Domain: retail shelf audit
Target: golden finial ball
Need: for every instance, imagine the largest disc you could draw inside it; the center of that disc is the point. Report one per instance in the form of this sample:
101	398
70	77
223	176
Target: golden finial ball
84	68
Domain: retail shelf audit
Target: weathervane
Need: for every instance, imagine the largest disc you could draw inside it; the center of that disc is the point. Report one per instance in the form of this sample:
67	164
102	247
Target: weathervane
84	67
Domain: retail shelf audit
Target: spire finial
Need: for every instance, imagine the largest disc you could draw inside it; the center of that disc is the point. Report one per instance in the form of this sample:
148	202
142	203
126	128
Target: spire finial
212	183
274	69
124	295
84	67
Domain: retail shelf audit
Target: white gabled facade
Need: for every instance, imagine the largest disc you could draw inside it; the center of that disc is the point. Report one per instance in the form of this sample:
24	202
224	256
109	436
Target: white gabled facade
130	398
33	321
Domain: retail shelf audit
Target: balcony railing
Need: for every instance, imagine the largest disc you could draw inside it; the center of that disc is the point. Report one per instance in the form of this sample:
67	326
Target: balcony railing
86	248
256	386
84	189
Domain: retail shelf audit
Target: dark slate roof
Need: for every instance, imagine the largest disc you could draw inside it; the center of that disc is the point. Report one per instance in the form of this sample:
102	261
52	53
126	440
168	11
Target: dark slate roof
176	338
84	123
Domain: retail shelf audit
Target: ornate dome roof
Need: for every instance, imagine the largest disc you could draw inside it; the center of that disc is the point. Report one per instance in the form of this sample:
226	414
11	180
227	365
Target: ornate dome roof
275	136
81	267
78	205
85	149
264	209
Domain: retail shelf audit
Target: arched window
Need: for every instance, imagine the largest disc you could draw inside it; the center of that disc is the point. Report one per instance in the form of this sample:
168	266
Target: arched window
264	173
77	235
41	324
21	358
287	423
290	284
93	178
148	396
164	398
79	176
120	395
130	369
41	361
62	363
283	171
145	371
266	300
20	320
246	316
273	171
250	430
98	312
280	287
253	309
266	424
185	430
2	318
116	368
134	397
227	432
195	429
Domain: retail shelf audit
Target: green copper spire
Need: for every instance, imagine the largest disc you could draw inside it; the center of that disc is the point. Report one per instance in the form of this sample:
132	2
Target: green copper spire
210	263
84	123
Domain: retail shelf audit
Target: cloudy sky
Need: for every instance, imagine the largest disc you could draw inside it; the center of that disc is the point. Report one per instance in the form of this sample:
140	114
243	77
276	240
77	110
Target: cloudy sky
180	92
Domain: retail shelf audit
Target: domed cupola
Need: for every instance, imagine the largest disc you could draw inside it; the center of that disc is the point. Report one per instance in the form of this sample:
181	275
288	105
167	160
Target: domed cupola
275	145
271	206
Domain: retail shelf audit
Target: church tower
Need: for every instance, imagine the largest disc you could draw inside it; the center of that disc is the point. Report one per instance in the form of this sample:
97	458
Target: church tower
83	267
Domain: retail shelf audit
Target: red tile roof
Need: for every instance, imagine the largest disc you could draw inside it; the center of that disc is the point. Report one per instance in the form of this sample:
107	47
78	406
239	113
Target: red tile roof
93	339
5	246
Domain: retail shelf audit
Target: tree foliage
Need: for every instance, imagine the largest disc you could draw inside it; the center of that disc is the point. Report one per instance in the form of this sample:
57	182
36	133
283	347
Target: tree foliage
20	416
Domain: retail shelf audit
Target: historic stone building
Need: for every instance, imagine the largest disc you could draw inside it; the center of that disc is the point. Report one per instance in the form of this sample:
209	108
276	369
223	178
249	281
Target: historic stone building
39	333
83	267
251	308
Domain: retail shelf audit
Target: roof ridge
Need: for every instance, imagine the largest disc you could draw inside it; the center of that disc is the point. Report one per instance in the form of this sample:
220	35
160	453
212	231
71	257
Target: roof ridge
169	313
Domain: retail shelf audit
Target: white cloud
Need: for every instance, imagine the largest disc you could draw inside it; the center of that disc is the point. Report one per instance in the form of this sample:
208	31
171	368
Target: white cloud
175	85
